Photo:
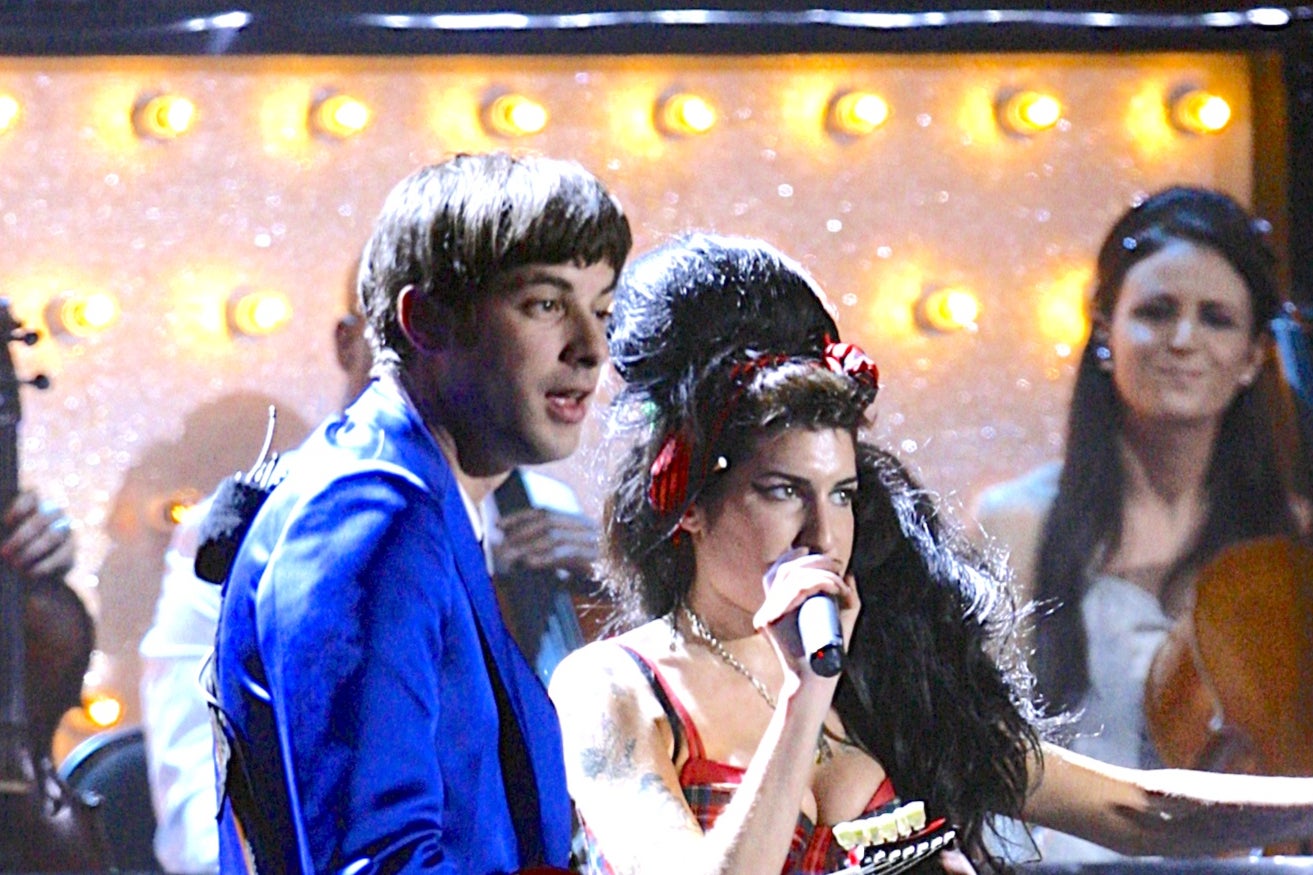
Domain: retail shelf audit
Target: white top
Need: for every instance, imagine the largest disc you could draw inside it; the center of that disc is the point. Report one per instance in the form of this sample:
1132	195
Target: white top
179	743
1125	626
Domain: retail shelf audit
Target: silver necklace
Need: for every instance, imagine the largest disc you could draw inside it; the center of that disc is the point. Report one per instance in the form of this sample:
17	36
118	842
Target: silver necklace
704	634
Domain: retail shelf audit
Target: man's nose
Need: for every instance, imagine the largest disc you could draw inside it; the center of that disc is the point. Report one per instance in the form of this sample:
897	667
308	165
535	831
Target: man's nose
587	343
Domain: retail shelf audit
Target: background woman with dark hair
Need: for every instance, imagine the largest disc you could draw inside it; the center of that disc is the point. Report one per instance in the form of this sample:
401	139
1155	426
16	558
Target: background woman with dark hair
1177	446
701	740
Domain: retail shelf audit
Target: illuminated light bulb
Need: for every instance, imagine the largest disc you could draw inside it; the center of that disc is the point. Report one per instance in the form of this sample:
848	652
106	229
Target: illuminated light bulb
82	314
179	508
102	710
514	115
1061	310
857	113
683	115
163	116
1197	111
165	512
1064	321
10	112
1028	112
947	309
258	313
339	116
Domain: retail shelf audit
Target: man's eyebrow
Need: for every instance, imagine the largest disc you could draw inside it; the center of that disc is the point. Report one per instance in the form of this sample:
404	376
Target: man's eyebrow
542	278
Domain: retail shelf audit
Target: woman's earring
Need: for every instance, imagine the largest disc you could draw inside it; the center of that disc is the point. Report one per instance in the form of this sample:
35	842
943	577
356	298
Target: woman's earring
1104	355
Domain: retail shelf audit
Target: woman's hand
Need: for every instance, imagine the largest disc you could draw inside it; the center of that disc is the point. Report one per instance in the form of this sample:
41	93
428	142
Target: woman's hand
796	576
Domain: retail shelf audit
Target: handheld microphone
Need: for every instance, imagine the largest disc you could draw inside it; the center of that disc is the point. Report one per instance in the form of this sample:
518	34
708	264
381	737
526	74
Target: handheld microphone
821	634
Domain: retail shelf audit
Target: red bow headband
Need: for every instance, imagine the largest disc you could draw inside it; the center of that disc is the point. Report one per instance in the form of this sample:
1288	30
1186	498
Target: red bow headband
668	489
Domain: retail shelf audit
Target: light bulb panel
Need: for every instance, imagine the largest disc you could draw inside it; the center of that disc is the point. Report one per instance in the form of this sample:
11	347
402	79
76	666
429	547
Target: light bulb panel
339	116
1026	112
947	309
856	113
11	112
102	710
1198	111
81	314
258	312
684	114
163	116
508	114
165	512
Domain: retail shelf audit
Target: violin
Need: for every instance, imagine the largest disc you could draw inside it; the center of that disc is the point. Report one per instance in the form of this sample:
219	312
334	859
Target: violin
1229	689
45	644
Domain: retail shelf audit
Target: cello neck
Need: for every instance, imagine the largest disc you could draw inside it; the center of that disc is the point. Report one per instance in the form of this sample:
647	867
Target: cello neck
16	773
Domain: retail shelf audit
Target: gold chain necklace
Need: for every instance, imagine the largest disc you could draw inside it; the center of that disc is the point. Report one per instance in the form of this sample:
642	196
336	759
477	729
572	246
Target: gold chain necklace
704	634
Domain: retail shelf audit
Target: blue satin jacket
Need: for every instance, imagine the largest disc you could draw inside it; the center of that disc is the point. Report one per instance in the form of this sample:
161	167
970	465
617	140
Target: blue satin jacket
350	674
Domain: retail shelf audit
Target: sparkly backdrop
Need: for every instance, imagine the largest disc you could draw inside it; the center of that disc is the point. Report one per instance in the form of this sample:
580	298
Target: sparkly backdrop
167	400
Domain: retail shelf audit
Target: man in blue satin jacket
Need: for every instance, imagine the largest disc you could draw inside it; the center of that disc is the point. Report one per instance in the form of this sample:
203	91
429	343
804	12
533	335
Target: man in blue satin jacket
373	713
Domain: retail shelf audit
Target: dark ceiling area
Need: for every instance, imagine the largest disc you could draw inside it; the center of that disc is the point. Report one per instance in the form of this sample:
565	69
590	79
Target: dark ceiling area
192	27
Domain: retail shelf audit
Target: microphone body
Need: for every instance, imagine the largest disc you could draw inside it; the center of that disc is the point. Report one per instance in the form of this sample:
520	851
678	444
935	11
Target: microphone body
821	634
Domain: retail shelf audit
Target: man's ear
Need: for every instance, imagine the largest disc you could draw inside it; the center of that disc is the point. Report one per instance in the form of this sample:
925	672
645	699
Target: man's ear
421	320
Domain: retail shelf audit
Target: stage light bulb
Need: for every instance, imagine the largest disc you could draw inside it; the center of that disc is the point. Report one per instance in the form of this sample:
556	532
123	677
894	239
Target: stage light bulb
339	116
1029	112
164	512
1200	112
163	116
10	112
82	314
948	308
258	313
515	115
857	113
685	115
103	710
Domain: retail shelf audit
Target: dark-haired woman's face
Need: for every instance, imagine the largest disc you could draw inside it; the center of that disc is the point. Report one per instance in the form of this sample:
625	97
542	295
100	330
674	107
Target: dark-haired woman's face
1181	336
795	490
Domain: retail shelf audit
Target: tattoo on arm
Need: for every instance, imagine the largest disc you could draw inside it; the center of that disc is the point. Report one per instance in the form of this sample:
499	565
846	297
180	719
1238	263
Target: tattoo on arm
612	754
654	785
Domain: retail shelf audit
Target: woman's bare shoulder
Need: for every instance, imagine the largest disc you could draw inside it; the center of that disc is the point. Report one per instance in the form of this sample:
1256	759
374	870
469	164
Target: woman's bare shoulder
606	663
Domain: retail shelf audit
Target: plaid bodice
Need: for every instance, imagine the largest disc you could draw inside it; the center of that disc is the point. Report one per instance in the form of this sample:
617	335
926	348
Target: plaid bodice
709	785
